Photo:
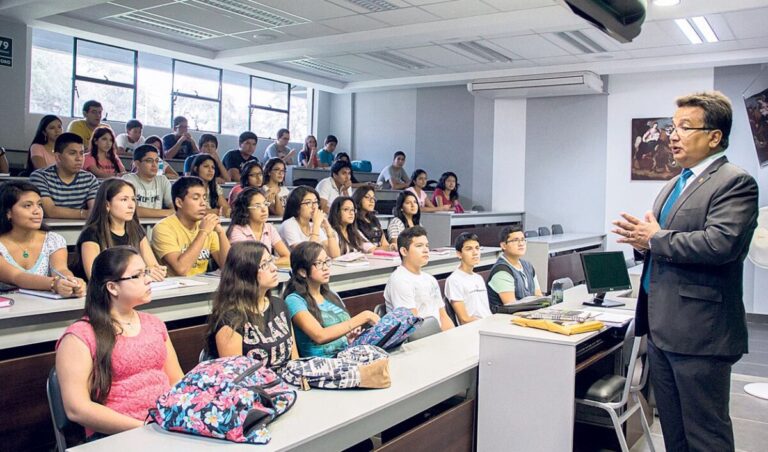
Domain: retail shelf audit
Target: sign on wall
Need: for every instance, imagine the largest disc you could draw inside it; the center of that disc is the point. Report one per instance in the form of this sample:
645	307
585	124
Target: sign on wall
6	51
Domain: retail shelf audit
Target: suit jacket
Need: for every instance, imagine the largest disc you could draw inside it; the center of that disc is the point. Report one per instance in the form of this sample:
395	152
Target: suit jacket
695	304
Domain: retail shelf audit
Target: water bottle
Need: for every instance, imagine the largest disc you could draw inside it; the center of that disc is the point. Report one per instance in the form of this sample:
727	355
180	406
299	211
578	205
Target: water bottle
557	292
160	167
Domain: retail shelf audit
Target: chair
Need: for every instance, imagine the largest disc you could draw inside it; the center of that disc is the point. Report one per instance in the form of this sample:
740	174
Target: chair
531	234
611	393
428	328
544	231
380	309
61	424
450	311
631	262
557	229
478	208
565	283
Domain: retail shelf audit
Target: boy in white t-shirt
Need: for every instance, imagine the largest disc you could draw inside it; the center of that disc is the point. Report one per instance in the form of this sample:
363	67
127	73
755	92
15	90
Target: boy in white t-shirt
409	287
464	288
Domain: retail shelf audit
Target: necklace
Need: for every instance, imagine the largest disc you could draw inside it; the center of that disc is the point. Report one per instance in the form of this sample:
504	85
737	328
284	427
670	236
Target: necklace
24	250
121	322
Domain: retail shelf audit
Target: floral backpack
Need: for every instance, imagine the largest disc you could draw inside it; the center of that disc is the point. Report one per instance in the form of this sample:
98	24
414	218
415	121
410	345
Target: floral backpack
362	366
231	398
392	330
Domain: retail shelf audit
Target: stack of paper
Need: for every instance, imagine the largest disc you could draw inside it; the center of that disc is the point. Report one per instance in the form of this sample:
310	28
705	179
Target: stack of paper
614	318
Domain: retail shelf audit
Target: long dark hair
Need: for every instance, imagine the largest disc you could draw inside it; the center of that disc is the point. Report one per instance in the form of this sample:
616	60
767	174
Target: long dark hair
303	257
441	184
213	193
352	242
246	170
416	174
236	298
268	169
108	266
398	210
241	214
111	154
293	204
10	193
41	137
357	197
98	220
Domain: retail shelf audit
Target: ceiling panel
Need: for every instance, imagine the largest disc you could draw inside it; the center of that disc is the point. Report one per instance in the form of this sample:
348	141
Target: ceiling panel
552	61
141	4
308	30
360	9
431	2
97	12
459	8
436	55
652	35
516	5
404	16
206	17
478	67
351	24
313	10
748	24
224	42
720	27
364	65
530	46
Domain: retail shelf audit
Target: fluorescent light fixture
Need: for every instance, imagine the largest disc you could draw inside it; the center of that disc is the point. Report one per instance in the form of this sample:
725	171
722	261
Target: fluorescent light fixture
705	29
580	41
316	65
396	60
481	51
166	25
666	2
251	11
374	5
688	30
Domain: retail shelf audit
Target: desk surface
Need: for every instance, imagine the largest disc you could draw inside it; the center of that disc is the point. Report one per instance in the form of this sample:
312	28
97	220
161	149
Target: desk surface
566	238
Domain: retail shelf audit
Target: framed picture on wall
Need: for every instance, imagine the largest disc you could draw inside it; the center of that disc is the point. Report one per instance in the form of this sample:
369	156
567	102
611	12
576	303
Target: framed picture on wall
651	156
757	112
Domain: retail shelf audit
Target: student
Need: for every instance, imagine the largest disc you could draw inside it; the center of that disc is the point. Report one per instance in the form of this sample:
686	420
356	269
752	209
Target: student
235	158
447	192
325	155
511	278
354	182
276	193
409	287
102	159
279	148
245	318
115	361
113	222
208	145
406	215
303	221
204	167
394	176
342	219
164	168
367	222
84	128
187	240
153	191
339	184
308	154
180	144
251	175
31	254
418	182
322	324
464	288
127	142
249	223
66	189
41	153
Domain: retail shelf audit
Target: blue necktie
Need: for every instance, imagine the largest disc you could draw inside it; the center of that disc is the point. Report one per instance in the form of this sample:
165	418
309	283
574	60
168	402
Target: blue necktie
676	192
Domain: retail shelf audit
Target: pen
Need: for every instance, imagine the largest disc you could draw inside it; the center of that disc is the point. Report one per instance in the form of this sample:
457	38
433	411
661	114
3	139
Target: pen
60	275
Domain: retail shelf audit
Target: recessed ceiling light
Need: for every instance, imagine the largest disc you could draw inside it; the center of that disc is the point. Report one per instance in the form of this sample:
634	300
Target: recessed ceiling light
264	37
688	30
666	2
705	29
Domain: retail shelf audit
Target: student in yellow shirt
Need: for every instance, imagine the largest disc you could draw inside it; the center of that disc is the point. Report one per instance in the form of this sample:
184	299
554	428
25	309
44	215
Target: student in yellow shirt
92	110
187	240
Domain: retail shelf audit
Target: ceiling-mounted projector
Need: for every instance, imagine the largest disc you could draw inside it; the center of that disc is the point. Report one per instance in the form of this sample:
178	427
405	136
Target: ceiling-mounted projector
619	19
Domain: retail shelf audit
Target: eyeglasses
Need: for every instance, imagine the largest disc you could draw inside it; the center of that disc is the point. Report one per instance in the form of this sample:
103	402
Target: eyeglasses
685	131
256	175
516	241
349	210
264	205
268	264
143	274
310	203
323	265
278	171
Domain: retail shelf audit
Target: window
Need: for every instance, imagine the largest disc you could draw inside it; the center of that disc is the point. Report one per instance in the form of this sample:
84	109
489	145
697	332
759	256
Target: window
269	107
107	74
234	103
50	86
301	106
197	95
155	84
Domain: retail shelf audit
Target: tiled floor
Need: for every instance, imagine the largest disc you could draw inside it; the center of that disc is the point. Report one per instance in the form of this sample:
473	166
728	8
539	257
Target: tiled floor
749	414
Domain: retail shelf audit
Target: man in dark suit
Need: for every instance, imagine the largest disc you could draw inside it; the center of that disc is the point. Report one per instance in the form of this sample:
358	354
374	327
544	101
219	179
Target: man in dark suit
690	302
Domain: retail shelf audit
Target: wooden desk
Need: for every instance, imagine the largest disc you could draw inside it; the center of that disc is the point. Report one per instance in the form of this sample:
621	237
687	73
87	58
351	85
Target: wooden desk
295	173
444	227
541	250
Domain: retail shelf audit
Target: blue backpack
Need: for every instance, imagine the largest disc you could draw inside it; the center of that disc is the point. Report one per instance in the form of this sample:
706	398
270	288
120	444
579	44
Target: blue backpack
362	166
392	330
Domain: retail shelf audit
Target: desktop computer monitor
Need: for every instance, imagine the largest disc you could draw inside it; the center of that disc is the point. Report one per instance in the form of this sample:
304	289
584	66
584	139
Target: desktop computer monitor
605	272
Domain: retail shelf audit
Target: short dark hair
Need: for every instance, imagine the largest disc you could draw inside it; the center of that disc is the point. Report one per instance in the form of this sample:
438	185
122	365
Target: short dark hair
178	120
247	136
406	237
465	237
90	104
398	154
718	112
153	138
206	137
133	123
331	139
509	230
142	151
339	165
65	139
282	132
181	187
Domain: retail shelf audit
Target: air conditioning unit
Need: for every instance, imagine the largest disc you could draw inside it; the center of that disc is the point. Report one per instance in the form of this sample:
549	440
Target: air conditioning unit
538	85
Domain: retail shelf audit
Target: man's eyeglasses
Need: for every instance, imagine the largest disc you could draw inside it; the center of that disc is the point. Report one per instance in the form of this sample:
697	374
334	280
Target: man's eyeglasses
310	203
323	265
268	264
143	274
264	205
683	131
515	241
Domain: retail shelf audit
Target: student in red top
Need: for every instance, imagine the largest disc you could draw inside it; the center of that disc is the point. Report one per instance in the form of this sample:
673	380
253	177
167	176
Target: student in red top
447	192
102	159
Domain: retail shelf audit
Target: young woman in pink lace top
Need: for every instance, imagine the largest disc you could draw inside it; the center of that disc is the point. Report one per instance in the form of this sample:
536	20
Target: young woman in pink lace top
113	363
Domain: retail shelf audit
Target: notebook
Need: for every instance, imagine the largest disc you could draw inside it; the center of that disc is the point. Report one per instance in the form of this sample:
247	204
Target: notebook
41	293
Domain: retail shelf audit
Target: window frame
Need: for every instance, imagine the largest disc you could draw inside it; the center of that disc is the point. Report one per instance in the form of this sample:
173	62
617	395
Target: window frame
175	93
76	78
252	106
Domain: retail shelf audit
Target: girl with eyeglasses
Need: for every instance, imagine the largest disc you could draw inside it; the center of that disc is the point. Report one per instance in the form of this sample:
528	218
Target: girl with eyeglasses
447	192
274	176
304	221
113	222
204	167
367	222
246	319
249	223
102	159
342	219
115	361
251	175
407	215
323	326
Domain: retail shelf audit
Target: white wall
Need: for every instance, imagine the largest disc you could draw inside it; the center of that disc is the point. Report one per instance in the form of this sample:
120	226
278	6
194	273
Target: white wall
509	127
15	87
482	165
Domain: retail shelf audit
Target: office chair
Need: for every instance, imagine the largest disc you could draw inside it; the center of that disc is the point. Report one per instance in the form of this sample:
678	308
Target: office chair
557	229
612	393
429	327
565	283
380	309
61	424
531	234
450	311
478	208
544	231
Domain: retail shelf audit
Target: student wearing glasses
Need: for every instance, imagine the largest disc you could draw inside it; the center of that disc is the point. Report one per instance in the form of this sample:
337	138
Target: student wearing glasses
342	219
367	222
251	175
115	361
512	278
303	221
322	325
279	148
276	193
249	223
153	191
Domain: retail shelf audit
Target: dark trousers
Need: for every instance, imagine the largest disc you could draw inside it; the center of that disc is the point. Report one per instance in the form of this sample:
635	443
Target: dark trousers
692	396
